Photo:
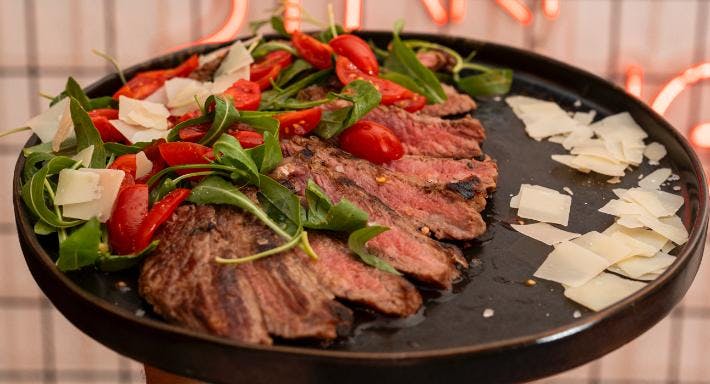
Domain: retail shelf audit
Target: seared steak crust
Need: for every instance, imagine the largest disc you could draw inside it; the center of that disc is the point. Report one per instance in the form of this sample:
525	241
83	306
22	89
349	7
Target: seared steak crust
456	103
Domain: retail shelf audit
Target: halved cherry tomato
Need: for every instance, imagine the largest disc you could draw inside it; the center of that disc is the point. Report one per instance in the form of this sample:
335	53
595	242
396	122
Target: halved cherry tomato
143	84
248	139
158	214
179	153
130	211
185	117
246	95
412	104
264	66
265	82
391	92
357	50
371	141
312	50
126	163
298	122
100	118
194	133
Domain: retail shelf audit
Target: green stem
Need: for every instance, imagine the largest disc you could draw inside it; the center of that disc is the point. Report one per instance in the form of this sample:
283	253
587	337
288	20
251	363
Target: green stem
281	248
14	130
476	67
61	232
194	174
167	170
306	246
113	62
46	95
331	20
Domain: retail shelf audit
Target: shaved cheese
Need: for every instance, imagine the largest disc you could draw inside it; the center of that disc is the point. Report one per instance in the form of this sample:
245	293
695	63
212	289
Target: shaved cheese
599	165
653	239
137	134
644	277
75	186
612	249
669	229
544	204
581	134
596	151
655	152
615	148
545	233
84	156
630	221
568	160
670	202
619	192
160	96
64	130
184	94
648	200
515	202
45	124
569	191
109	183
571	265
618	127
550	126
637	247
143	113
668	247
221	83
639	266
143	165
584	118
603	291
655	179
237	58
620	208
557	139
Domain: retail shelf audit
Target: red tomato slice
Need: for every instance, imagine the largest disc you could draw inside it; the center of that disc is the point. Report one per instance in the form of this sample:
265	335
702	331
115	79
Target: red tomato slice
248	139
412	104
264	65
129	213
186	68
357	50
100	118
179	153
158	214
265	82
126	163
312	50
298	122
371	141
108	113
246	95
143	84
185	117
194	133
390	91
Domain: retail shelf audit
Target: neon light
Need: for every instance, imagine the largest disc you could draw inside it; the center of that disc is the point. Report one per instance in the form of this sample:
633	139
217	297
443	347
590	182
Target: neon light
229	29
634	80
679	83
551	9
700	135
353	15
292	15
517	10
436	11
457	10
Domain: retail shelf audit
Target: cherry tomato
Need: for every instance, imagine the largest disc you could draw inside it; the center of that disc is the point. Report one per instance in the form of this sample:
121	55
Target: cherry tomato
263	66
143	84
312	50
265	82
412	104
390	91
130	210
194	133
100	118
357	50
248	139
126	163
179	153
188	116
158	214
298	122
246	95
371	141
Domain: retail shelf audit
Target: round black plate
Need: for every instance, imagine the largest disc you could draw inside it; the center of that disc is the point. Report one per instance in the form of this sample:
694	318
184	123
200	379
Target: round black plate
533	332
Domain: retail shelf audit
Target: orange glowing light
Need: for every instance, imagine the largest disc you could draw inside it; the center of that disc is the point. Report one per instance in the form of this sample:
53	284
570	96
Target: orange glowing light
229	29
551	8
518	10
634	80
679	83
436	11
700	135
292	15
457	10
353	15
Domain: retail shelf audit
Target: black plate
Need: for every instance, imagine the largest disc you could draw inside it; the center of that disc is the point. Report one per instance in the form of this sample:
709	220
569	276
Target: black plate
533	332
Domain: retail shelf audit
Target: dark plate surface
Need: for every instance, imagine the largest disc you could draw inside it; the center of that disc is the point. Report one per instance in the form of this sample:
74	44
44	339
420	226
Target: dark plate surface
533	332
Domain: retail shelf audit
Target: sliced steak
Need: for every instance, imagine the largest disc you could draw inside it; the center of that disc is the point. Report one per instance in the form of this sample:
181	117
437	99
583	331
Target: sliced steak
455	104
350	279
431	136
403	246
443	171
206	71
444	213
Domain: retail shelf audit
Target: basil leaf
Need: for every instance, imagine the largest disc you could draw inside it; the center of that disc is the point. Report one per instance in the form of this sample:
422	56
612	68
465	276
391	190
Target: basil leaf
42	228
122	149
224	116
282	205
357	241
228	151
364	97
277	23
87	134
81	248
492	83
299	66
267	47
33	192
113	263
73	90
268	155
322	214
403	60
271	99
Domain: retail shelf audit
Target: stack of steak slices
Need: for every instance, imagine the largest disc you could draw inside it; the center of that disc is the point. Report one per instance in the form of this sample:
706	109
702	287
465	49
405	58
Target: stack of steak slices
435	192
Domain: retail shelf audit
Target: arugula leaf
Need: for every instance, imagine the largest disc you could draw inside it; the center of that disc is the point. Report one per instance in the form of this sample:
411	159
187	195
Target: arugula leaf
268	155
277	23
33	163
174	134
357	241
363	96
403	60
224	116
267	47
166	186
33	192
67	147
281	204
113	263
292	104
102	102
122	149
261	121
228	151
326	34
87	134
73	90
271	99
492	83
322	214
331	122
42	228
81	248
299	66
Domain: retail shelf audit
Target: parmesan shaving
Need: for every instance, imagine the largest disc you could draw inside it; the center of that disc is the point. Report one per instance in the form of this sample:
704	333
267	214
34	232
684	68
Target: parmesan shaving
101	207
45	124
142	113
544	204
603	291
612	249
545	233
639	266
136	134
654	152
184	94
75	186
84	156
64	129
638	248
568	160
599	165
571	265
644	277
655	179
143	165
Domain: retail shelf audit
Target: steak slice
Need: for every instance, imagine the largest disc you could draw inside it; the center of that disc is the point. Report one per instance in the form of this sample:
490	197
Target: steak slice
455	104
441	210
403	246
443	171
431	136
206	71
350	279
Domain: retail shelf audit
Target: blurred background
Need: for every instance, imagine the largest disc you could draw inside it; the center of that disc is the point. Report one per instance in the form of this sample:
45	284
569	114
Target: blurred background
655	49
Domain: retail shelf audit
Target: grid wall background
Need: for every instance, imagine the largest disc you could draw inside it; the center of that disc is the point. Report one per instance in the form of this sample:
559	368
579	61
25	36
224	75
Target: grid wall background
44	41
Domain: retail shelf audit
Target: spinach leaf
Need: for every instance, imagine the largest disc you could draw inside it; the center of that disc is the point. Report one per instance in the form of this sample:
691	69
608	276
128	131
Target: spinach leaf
33	192
122	149
224	116
299	66
363	96
87	134
228	151
403	60
268	155
282	205
271	99
267	47
81	248
322	214
113	263
357	241
492	83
